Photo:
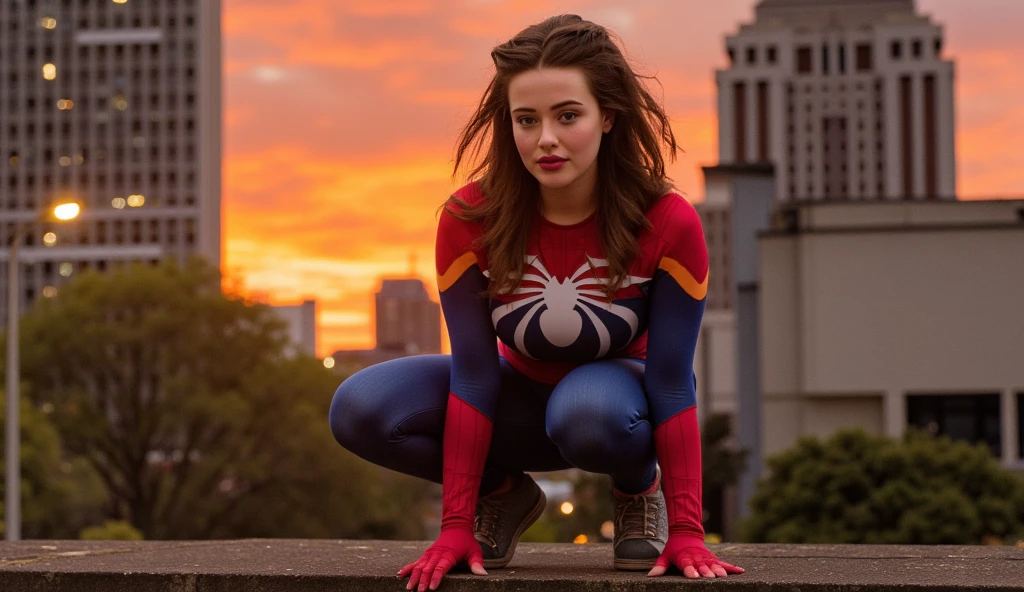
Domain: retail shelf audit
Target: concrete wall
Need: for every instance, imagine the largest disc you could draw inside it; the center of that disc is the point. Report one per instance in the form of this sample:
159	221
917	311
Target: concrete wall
863	306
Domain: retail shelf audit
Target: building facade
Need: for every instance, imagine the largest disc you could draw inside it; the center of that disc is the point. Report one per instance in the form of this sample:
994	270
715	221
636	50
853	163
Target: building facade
300	320
407	319
849	99
889	315
114	104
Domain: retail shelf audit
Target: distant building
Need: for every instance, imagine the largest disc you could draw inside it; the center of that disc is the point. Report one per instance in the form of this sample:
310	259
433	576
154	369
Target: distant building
849	99
880	315
116	105
407	319
408	323
301	320
888	315
843	100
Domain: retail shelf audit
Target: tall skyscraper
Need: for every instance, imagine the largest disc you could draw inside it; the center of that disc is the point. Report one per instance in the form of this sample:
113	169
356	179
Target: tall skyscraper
849	99
407	319
115	104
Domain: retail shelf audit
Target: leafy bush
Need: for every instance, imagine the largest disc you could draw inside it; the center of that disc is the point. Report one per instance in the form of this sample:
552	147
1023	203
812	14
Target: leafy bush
856	488
112	530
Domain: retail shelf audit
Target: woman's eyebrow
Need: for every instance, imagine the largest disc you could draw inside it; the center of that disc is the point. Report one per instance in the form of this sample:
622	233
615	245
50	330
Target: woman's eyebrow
553	107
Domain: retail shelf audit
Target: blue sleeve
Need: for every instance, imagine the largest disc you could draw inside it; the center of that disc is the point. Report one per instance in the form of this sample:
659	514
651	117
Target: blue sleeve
677	298
475	374
675	319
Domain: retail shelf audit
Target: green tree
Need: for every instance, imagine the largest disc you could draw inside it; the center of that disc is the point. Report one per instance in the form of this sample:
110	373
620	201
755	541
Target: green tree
58	495
855	488
294	480
181	399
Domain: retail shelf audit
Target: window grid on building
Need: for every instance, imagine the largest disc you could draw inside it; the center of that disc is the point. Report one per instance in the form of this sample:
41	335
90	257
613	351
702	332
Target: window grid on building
113	123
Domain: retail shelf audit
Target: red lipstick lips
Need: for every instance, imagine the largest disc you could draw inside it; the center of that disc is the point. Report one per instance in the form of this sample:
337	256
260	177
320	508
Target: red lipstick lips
551	163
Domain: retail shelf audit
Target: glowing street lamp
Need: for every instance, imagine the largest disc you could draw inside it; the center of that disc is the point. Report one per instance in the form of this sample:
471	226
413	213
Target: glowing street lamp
67	211
12	502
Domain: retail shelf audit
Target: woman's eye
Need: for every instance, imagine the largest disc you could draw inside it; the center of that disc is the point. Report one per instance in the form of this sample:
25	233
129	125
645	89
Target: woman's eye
569	116
525	121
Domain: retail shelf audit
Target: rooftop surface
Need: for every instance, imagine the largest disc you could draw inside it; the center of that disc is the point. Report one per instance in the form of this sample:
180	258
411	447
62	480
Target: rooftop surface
291	565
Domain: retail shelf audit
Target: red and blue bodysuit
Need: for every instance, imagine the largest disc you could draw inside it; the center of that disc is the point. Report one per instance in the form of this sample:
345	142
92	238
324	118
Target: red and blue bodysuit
560	319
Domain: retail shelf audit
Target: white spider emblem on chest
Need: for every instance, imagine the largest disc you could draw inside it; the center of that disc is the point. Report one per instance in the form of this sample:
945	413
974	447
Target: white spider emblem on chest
561	321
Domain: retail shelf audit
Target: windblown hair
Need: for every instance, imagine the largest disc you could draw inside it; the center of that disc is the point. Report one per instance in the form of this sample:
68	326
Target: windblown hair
630	165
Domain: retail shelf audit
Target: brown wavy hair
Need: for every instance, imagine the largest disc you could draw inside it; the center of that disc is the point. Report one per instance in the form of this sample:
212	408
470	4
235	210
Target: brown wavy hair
630	164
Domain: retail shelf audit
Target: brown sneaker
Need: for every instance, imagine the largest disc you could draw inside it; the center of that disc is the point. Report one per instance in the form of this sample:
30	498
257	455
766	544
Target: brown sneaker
641	528
501	518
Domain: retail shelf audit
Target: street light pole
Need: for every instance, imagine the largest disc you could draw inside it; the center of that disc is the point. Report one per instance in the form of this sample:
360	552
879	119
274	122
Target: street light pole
12	446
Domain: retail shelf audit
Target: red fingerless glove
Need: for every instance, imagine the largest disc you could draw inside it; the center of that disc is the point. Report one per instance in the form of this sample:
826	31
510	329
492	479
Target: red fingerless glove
685	551
452	547
677	442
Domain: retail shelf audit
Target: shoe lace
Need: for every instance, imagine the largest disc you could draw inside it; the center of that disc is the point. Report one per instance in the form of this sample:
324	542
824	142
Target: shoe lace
637	517
489	518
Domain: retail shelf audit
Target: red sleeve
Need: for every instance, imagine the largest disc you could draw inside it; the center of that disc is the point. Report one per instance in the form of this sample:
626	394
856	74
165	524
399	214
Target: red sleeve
455	250
677	443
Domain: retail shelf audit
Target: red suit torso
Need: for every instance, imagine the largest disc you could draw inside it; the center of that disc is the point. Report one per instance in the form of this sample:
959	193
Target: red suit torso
560	316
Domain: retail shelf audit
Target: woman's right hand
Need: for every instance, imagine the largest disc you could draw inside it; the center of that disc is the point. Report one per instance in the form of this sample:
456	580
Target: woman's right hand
453	547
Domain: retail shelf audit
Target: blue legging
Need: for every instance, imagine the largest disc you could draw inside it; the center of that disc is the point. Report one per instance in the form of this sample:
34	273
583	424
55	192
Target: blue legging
595	419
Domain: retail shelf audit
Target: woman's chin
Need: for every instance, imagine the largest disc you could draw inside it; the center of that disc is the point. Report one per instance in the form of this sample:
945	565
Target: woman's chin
549	181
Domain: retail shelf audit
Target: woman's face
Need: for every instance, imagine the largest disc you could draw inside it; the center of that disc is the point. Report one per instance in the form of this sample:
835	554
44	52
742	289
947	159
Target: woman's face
557	125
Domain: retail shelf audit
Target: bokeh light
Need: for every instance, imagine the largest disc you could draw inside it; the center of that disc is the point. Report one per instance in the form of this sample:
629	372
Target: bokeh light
67	211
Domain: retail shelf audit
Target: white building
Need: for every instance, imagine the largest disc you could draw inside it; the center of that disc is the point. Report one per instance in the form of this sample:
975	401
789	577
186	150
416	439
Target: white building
849	99
887	315
116	105
880	315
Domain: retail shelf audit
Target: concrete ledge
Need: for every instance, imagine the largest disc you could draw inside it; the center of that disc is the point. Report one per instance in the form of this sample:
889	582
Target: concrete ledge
288	565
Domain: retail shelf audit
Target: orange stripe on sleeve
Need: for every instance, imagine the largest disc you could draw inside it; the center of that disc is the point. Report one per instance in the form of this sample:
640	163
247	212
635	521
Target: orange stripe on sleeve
455	270
689	284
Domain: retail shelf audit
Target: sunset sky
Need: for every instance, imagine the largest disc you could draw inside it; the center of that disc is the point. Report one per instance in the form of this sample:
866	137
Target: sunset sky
340	120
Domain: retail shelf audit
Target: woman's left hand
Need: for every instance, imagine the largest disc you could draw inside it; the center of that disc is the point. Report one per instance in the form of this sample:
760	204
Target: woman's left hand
691	556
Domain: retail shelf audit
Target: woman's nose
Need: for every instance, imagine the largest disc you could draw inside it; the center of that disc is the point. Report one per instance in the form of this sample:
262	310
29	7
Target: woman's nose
548	138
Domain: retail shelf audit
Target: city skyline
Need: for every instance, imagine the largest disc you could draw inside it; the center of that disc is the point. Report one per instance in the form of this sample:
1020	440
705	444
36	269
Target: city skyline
330	106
